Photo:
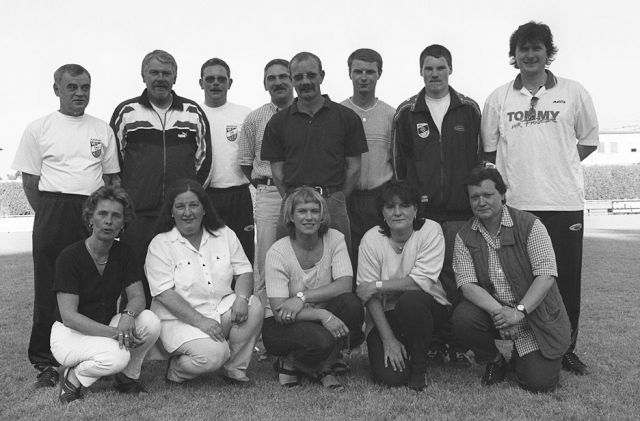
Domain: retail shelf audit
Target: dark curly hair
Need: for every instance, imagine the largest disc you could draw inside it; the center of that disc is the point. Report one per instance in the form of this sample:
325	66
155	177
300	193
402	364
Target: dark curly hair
405	192
211	221
113	193
532	32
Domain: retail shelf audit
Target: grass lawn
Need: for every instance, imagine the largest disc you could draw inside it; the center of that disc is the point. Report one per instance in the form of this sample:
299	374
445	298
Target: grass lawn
607	343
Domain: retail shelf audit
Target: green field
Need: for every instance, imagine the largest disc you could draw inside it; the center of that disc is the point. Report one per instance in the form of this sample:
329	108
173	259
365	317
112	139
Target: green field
608	343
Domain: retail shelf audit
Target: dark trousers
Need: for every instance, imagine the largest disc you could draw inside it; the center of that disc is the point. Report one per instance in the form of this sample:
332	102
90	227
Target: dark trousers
474	328
57	224
309	342
235	207
137	235
363	215
566	229
443	333
412	322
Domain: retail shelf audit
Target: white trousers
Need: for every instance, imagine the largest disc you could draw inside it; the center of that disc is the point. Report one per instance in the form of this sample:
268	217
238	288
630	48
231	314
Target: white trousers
200	356
92	357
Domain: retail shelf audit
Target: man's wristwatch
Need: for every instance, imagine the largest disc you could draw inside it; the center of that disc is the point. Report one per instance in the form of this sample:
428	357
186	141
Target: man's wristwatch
521	309
378	285
129	313
301	296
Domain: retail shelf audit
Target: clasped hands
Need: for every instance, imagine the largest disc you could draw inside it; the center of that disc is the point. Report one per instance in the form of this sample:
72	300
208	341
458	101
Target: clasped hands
126	333
505	319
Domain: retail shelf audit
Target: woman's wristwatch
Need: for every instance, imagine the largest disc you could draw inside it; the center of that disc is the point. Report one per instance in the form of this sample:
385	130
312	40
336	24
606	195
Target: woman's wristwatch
302	297
128	313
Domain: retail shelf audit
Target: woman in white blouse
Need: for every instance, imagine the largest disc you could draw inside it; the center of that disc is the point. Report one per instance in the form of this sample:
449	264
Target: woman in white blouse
202	284
399	263
313	314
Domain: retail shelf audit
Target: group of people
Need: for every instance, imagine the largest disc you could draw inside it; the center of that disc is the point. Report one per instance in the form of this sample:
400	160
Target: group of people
358	205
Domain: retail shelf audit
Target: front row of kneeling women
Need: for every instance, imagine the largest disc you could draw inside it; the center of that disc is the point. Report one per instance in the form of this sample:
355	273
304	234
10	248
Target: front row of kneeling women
203	309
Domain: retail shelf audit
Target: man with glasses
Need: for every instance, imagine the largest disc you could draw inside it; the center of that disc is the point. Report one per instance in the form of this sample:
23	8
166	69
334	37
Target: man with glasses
316	142
537	129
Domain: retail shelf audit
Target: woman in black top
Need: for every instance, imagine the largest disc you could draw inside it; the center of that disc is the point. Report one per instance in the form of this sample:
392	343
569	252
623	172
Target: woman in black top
90	339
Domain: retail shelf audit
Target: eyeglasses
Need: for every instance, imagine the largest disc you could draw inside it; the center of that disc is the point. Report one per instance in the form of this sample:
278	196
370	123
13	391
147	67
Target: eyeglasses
532	110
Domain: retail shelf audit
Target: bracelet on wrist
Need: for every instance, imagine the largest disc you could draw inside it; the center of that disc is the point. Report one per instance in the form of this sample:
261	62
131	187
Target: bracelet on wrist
328	319
243	297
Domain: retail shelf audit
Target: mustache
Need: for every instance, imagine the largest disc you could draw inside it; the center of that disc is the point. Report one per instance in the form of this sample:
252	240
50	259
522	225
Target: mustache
160	85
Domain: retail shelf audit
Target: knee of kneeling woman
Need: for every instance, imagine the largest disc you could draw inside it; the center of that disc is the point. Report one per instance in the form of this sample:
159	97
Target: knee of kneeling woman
538	384
216	354
115	359
148	325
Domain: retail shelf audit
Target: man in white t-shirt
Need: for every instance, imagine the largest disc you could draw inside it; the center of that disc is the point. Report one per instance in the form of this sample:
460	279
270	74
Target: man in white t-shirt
436	144
227	185
64	157
365	68
537	129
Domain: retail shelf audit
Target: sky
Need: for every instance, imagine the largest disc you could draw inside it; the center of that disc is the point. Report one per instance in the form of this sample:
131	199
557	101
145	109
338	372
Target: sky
599	46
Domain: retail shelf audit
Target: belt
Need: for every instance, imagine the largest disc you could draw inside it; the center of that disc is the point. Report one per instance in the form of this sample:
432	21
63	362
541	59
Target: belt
325	191
267	181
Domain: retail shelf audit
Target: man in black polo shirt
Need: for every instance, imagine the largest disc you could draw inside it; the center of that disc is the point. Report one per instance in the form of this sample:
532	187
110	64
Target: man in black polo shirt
315	142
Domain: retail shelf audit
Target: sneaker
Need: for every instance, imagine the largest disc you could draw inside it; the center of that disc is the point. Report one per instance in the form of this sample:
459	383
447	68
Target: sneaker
572	363
127	385
48	377
495	372
68	391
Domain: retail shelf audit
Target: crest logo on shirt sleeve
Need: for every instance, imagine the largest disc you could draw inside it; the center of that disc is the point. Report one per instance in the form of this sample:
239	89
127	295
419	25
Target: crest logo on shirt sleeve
232	133
423	130
96	147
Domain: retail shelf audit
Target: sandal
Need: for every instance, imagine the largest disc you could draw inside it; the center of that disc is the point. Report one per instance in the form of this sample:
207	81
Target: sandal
328	380
288	377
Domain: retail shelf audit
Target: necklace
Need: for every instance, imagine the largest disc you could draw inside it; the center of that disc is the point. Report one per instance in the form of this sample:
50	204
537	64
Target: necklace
94	256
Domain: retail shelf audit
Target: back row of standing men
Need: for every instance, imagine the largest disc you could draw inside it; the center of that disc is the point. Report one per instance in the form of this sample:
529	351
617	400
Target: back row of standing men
536	128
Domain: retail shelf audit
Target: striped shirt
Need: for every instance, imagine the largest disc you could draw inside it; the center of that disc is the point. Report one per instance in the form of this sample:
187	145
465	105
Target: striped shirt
284	277
541	257
250	140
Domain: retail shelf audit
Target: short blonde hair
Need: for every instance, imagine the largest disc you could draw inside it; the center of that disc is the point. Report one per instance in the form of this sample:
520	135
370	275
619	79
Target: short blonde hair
304	195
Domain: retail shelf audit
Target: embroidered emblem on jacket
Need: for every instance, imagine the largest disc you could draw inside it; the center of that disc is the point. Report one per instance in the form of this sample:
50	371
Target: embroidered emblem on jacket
423	130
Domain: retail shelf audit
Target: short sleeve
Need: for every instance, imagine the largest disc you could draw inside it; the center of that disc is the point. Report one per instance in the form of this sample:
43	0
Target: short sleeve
369	263
540	250
490	123
110	164
247	142
159	266
67	272
340	262
28	157
272	148
276	275
463	264
356	140
586	124
239	262
430	256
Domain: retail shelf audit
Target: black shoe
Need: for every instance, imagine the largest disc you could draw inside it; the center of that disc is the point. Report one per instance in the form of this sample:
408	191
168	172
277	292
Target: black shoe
417	382
435	356
495	372
572	363
68	391
48	377
127	385
458	358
